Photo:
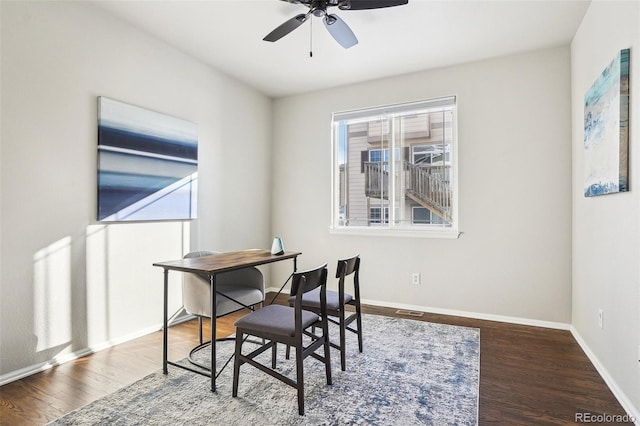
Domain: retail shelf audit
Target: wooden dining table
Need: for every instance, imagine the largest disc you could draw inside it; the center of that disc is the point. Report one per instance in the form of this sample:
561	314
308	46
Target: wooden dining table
211	266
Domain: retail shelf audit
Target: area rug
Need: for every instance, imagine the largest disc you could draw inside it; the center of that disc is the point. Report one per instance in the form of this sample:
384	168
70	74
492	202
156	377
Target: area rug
410	373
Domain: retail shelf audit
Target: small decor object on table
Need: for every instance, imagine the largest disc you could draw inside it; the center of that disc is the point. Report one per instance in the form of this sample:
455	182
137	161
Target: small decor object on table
277	248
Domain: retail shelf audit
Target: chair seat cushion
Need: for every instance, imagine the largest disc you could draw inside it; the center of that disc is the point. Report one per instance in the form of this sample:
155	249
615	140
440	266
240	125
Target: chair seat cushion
244	294
275	319
311	299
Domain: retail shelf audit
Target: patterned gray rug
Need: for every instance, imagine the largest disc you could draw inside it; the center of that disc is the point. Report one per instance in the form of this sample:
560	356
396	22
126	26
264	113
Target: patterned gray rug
410	373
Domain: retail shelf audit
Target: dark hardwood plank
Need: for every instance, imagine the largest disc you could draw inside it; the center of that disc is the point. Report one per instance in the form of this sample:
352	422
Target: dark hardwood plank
528	375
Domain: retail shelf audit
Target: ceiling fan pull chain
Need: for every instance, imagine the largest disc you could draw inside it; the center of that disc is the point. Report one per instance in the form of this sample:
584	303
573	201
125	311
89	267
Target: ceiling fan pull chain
311	38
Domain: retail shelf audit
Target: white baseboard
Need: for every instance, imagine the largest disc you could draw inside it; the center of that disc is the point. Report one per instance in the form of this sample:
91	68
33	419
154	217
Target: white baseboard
37	368
633	412
178	318
110	343
464	314
474	315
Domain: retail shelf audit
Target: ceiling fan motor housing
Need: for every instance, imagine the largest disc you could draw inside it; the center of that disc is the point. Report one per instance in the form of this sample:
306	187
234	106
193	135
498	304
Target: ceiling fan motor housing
319	8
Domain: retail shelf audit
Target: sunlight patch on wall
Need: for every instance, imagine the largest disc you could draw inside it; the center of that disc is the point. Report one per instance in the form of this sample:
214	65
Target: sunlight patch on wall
124	289
97	285
52	294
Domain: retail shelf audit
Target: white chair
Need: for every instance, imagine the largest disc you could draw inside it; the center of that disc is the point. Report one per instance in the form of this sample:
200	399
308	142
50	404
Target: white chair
236	290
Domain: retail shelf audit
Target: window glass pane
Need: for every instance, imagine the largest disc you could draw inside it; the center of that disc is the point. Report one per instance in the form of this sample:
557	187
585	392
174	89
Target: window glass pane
394	167
421	215
375	215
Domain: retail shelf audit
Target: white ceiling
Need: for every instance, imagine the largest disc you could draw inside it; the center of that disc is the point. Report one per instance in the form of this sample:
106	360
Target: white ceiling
227	34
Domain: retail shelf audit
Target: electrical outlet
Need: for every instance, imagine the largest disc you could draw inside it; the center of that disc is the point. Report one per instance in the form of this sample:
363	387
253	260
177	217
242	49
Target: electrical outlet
415	278
601	318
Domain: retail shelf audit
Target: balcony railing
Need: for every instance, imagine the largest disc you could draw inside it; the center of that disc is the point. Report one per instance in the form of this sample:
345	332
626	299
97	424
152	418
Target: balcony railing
428	186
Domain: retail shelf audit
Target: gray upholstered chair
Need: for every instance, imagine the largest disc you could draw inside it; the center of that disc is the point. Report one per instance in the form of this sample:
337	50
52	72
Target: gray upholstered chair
287	325
336	302
236	290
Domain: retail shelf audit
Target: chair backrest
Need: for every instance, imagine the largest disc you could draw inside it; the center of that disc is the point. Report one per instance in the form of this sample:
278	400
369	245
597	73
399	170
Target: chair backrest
346	267
200	253
196	287
309	280
249	276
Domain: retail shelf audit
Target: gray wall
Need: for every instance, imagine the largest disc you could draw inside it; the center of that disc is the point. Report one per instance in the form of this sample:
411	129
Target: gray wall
67	283
513	260
606	229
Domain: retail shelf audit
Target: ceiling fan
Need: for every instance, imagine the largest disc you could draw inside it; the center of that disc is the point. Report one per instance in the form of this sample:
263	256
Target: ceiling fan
338	29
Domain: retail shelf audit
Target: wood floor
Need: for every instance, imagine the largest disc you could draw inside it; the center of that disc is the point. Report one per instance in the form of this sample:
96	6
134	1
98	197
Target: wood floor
528	375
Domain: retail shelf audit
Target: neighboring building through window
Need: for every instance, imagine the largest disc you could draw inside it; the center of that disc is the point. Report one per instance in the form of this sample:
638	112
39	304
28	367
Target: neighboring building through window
394	166
422	216
375	215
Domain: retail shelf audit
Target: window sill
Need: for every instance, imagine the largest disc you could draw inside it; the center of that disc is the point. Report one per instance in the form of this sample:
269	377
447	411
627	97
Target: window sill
450	234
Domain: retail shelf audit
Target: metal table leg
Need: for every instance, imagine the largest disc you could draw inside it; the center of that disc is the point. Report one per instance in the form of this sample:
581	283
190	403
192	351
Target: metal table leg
295	268
213	292
165	327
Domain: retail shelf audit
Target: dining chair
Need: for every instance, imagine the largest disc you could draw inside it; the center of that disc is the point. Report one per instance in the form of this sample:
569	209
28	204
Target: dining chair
336	302
236	290
289	325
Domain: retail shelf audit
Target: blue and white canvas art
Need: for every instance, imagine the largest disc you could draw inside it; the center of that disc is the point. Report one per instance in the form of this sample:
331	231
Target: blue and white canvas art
606	130
147	164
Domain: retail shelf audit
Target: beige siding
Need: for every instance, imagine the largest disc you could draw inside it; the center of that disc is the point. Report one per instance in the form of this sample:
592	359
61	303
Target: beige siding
357	202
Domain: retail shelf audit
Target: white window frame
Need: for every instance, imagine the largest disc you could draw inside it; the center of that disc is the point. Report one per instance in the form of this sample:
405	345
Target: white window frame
414	230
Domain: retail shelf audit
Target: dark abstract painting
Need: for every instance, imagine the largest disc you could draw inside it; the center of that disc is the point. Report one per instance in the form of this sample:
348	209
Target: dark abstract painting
147	164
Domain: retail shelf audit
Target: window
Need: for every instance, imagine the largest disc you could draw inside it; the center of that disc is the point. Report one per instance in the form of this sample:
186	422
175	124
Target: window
378	155
422	216
429	154
394	168
375	215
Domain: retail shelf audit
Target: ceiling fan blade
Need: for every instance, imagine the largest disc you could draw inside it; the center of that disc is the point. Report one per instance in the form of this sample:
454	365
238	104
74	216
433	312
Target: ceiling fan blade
340	31
369	4
286	28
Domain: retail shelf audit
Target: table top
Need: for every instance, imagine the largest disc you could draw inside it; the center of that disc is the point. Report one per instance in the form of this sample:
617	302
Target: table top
227	261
